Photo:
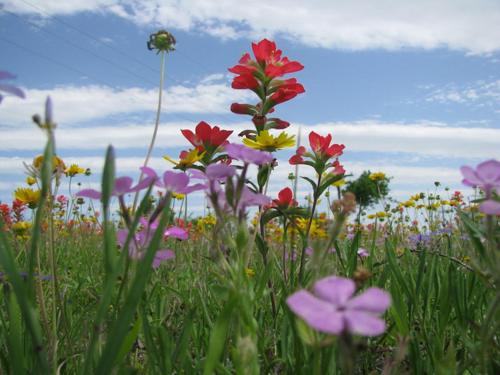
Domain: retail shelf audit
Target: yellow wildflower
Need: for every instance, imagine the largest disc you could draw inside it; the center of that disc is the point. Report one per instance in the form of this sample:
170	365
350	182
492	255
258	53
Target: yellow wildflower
381	215
267	142
339	183
73	170
408	203
250	272
30	180
186	158
21	230
371	216
377	176
28	196
57	163
178	196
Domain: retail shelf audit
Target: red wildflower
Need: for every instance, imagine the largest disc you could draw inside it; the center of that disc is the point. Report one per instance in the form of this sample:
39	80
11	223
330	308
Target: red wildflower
321	145
5	213
206	137
245	81
337	168
243	109
297	158
285	199
286	92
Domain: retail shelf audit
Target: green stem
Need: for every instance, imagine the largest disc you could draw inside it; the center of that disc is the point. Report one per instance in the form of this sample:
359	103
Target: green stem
309	224
157	123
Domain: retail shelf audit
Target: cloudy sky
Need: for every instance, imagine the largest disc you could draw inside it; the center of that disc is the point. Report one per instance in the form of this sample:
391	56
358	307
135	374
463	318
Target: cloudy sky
411	88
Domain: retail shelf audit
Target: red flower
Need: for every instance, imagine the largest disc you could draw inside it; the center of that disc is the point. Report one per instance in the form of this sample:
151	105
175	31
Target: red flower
270	58
5	213
206	137
243	109
285	199
245	81
337	168
297	158
321	145
286	92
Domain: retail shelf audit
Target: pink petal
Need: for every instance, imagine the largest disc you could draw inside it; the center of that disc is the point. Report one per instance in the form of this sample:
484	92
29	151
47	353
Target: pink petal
318	314
373	300
89	193
490	207
121	236
363	323
489	171
470	177
122	185
161	256
176	232
175	181
336	290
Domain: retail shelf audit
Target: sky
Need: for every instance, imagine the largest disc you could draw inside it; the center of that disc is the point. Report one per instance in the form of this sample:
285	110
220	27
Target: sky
411	88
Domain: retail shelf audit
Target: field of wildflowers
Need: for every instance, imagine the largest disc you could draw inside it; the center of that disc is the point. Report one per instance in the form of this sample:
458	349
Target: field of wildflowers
260	284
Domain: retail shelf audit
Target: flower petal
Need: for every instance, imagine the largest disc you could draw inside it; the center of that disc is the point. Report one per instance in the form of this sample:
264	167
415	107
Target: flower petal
373	300
89	193
336	290
176	232
161	256
122	185
490	207
363	323
318	314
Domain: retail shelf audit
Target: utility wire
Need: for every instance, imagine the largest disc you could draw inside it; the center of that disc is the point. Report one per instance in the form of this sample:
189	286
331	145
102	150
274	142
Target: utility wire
200	66
78	71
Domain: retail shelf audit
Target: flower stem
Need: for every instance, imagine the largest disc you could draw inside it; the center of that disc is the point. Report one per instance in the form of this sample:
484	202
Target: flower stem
157	123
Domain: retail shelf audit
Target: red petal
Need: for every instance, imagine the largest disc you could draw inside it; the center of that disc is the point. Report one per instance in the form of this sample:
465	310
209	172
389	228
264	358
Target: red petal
189	136
203	131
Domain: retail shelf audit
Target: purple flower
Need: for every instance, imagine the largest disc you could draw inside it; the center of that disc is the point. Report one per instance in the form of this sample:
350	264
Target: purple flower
490	207
332	309
486	176
419	239
10	89
143	237
309	251
172	181
219	171
363	253
123	185
248	155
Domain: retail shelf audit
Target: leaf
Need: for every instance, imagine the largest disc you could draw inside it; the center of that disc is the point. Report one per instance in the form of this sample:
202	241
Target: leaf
313	184
218	337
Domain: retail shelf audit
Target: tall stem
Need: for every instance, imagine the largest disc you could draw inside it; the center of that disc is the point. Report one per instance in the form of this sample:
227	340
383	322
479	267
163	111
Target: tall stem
309	224
157	123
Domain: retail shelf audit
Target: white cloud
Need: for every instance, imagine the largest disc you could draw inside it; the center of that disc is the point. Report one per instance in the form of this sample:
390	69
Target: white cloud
76	104
417	138
471	26
479	93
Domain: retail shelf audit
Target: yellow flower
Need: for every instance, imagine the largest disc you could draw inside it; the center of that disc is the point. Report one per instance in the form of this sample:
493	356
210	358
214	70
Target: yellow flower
57	163
408	203
28	196
371	216
21	230
377	176
30	180
339	183
187	158
267	142
250	272
417	197
73	170
178	196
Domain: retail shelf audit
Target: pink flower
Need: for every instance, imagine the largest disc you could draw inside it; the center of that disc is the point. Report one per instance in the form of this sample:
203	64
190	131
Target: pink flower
490	207
122	186
332	309
486	176
363	253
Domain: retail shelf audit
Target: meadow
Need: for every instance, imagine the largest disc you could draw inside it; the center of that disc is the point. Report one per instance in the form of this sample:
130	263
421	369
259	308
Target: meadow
125	280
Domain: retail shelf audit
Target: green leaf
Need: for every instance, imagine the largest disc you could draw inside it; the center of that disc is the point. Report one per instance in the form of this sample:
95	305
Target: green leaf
218	337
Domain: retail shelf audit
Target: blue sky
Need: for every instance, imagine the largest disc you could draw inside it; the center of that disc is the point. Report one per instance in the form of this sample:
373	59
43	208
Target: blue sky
411	88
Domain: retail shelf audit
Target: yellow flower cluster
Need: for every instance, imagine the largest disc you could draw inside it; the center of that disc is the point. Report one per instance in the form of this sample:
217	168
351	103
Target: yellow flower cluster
377	176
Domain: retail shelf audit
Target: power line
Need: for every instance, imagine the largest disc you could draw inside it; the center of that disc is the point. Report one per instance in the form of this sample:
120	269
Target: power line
76	70
129	56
